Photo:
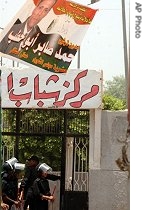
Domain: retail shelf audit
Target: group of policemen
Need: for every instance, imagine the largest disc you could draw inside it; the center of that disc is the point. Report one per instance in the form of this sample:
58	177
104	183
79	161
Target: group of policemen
34	189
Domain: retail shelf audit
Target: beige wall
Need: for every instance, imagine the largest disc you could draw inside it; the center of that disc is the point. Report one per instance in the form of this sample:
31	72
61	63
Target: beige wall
109	186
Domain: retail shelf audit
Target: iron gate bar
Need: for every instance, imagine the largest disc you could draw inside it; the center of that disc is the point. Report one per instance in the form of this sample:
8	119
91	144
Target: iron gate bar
73	168
62	186
42	134
18	131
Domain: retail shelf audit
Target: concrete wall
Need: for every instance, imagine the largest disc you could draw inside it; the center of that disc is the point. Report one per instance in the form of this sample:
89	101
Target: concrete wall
109	187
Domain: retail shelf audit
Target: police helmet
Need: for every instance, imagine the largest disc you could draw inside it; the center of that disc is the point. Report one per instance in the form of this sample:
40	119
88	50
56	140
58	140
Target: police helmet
19	166
43	167
9	164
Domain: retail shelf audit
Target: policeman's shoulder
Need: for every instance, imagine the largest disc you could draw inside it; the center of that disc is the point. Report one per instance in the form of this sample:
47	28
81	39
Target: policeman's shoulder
4	175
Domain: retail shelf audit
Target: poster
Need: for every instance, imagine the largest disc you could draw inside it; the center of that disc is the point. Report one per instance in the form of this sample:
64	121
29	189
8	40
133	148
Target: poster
47	35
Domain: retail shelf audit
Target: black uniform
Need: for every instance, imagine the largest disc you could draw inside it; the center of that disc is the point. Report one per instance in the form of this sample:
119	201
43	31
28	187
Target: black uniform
9	188
41	187
27	182
30	176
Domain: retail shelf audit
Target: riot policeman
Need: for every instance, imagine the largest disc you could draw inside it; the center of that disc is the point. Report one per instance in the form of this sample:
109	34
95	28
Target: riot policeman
31	174
9	177
41	189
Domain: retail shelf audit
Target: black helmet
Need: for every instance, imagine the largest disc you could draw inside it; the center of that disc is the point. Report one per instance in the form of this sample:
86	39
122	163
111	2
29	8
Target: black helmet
43	167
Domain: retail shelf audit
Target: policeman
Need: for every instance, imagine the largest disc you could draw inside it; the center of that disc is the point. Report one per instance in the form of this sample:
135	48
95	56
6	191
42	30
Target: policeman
30	175
10	181
41	189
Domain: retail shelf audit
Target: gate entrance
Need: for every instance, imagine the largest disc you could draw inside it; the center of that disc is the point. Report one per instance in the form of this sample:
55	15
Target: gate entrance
61	139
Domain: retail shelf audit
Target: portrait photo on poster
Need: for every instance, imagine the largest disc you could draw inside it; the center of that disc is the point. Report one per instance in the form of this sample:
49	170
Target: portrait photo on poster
48	35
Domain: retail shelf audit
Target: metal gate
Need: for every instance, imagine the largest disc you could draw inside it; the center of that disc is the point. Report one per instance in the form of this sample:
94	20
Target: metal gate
60	138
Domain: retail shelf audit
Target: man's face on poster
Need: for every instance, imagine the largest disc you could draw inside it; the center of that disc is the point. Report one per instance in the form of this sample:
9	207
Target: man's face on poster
40	11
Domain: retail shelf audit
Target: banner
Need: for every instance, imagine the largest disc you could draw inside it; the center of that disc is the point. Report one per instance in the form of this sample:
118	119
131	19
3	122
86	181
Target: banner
46	34
30	88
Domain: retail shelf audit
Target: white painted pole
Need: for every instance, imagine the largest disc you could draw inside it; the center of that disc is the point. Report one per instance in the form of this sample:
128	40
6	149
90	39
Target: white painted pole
126	57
